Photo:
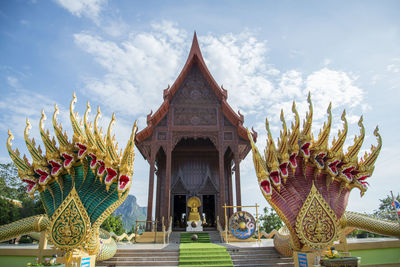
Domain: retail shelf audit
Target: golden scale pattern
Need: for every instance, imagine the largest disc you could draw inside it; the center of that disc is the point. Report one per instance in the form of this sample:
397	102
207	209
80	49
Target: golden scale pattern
369	223
70	225
316	222
36	223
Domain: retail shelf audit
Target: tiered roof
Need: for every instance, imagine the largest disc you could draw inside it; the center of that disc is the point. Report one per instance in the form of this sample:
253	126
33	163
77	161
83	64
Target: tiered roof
195	57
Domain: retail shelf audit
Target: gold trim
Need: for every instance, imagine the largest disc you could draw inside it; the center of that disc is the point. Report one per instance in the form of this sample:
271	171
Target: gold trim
70	224
316	223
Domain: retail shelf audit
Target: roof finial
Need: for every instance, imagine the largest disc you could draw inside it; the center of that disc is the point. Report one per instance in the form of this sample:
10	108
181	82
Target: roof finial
195	49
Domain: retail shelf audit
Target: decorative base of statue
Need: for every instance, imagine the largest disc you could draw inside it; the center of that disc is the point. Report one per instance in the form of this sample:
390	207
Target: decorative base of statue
78	258
306	258
194	226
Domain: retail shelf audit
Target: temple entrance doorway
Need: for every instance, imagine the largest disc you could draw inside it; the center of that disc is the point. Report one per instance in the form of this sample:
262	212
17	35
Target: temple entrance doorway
180	215
209	211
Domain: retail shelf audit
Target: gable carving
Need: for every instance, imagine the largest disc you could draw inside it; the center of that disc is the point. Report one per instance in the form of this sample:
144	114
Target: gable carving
227	122
194	90
164	121
208	187
179	187
195	116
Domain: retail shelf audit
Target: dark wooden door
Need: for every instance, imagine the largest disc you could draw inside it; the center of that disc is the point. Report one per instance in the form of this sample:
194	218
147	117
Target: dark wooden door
179	212
209	210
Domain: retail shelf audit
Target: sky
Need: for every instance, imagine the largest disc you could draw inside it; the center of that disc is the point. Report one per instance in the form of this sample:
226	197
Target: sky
121	55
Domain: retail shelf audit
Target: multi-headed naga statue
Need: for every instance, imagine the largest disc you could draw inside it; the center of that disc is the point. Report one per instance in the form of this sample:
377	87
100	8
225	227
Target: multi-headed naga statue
80	183
308	183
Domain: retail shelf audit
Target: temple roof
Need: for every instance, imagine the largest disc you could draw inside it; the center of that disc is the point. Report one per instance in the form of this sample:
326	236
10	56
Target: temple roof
195	57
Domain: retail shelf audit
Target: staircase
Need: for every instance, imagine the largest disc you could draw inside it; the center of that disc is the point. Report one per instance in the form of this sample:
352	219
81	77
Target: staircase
241	256
143	257
258	256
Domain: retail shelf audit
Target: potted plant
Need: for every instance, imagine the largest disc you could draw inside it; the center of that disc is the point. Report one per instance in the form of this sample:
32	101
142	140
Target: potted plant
332	258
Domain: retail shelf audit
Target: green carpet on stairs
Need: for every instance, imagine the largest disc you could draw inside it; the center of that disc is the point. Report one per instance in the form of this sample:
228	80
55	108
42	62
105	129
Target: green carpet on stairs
186	237
202	252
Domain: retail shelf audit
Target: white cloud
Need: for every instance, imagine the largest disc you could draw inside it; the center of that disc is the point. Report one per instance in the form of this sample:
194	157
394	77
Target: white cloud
115	28
20	104
87	8
395	68
138	69
338	87
239	62
291	84
13	82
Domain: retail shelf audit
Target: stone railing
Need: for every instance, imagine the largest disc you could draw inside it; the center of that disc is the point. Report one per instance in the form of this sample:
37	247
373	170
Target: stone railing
120	238
168	232
220	230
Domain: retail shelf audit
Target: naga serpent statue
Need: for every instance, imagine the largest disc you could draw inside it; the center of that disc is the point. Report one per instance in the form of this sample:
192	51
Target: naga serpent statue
80	184
308	183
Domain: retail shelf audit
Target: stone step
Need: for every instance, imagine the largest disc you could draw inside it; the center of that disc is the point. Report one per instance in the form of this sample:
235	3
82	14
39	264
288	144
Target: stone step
214	237
264	264
137	263
256	255
251	249
143	257
174	238
241	256
147	254
263	260
249	252
152	259
147	250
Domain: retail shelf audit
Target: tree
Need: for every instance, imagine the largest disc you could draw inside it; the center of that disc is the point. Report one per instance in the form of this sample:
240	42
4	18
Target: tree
386	210
270	220
11	188
113	224
8	212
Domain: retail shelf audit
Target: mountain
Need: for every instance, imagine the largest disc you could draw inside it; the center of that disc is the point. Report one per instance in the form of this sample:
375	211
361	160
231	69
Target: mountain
131	212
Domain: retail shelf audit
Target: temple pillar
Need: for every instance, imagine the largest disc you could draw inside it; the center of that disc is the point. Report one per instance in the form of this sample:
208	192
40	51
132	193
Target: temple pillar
166	210
237	180
158	193
221	186
230	187
151	190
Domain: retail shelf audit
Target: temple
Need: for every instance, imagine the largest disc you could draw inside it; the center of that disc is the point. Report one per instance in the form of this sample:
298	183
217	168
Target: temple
193	143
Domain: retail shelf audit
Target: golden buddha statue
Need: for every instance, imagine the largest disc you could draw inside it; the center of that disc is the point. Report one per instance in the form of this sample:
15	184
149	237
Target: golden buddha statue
194	203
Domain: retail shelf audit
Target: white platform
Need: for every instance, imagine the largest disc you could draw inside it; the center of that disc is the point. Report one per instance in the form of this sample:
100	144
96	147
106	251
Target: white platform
198	228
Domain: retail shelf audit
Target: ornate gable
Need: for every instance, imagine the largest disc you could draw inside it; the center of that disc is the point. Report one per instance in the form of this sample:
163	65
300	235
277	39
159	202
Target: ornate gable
179	187
194	103
195	99
195	90
208	187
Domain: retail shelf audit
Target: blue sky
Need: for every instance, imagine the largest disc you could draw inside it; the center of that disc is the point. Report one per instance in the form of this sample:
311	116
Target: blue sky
122	54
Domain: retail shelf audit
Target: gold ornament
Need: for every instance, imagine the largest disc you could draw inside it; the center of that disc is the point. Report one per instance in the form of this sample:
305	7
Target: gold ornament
316	223
70	223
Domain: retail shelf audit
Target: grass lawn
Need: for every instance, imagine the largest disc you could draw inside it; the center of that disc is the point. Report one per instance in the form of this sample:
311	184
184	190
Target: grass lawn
377	256
15	261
